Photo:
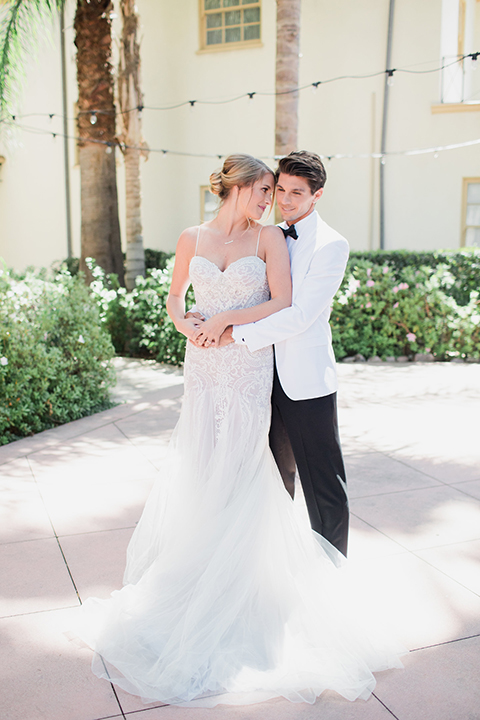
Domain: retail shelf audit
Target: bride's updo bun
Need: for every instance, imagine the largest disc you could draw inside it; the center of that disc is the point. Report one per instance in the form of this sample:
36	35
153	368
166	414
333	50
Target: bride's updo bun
240	170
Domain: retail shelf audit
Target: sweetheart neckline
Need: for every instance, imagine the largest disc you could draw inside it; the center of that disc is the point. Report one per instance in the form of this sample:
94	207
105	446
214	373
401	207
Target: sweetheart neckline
245	257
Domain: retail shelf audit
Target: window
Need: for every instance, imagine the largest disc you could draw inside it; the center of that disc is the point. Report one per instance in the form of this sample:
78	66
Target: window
471	213
208	204
229	23
460	35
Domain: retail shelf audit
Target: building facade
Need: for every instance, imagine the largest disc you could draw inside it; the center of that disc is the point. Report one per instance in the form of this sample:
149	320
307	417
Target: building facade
213	51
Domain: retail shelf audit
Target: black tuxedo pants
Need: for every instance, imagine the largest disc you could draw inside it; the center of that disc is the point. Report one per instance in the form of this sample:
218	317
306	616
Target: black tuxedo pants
304	435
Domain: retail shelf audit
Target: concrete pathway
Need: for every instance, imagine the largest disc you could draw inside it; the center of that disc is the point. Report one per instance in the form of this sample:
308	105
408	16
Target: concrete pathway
71	497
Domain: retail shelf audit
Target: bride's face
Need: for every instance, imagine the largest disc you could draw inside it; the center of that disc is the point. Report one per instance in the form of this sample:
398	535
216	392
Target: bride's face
254	200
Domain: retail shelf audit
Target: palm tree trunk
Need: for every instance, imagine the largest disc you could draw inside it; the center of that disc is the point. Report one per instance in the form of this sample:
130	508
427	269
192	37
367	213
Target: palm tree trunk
99	202
288	48
131	98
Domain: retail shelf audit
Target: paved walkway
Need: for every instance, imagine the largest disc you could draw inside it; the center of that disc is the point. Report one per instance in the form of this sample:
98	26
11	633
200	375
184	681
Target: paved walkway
71	496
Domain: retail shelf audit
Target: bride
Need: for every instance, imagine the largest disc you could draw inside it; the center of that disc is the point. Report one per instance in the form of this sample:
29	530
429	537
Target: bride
229	596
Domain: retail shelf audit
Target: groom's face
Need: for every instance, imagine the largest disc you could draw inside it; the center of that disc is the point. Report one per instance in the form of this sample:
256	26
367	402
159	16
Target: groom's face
294	197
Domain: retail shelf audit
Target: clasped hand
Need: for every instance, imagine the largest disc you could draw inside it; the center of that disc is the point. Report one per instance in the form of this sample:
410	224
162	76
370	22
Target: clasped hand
209	331
205	333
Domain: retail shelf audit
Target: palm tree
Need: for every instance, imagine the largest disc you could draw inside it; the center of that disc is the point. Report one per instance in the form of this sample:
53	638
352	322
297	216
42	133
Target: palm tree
286	79
131	100
20	22
288	48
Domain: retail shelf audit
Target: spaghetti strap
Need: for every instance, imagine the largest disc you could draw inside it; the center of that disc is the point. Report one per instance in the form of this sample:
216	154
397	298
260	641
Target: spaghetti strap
196	245
258	240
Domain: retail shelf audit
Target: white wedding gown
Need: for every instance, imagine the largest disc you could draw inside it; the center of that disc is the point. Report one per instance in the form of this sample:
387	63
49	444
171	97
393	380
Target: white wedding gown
229	595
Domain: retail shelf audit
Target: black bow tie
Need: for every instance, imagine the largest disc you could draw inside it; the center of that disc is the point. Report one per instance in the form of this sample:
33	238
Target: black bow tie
290	231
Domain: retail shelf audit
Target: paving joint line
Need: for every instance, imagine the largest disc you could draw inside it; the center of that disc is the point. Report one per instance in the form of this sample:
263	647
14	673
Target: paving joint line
385	706
422	472
381	532
392	492
38	612
445	642
157	469
56	536
33	451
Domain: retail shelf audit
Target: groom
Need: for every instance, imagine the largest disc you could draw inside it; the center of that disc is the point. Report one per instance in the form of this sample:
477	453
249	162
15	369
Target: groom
304	427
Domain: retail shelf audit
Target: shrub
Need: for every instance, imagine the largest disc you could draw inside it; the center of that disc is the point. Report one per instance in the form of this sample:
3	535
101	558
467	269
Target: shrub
390	303
55	358
138	321
463	266
401	311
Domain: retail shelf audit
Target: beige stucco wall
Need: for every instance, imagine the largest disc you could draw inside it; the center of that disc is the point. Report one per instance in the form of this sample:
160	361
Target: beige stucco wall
423	193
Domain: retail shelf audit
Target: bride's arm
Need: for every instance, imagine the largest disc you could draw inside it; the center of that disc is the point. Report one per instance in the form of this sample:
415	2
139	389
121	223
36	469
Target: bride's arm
279	281
180	282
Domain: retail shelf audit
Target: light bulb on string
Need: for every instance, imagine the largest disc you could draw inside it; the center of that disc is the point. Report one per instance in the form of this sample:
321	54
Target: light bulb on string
382	160
315	87
390	78
474	57
192	104
93	117
109	149
250	95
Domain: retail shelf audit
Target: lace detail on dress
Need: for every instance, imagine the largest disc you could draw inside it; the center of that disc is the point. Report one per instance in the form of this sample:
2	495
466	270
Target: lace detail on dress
233	373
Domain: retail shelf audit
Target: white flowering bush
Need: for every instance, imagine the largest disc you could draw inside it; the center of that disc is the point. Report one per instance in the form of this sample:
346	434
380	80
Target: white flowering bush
138	321
384	311
55	356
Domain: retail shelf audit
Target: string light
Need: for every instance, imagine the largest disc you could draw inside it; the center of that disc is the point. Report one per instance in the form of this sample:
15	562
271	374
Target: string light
390	78
313	85
328	158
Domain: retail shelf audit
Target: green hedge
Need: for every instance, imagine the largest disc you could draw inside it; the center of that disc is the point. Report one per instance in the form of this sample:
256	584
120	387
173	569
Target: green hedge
55	357
138	322
463	266
383	310
389	304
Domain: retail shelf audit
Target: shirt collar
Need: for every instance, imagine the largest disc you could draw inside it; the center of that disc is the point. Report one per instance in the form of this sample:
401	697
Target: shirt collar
302	224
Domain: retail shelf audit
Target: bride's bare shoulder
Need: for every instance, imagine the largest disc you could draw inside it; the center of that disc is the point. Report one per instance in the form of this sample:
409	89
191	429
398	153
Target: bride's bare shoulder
272	230
272	234
187	239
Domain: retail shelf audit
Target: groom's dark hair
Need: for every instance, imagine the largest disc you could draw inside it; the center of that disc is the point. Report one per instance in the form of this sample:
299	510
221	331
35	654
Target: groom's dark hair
303	163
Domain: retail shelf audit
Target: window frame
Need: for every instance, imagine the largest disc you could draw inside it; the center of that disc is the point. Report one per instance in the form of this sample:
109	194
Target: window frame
203	190
238	45
466	182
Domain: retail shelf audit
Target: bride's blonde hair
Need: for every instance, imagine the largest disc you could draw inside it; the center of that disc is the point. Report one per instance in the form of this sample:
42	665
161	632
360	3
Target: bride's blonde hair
240	170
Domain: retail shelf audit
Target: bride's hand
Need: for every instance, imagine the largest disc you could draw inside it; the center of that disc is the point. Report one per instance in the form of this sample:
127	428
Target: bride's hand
189	327
208	334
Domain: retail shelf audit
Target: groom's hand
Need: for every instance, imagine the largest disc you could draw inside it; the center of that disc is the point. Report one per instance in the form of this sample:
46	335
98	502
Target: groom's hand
226	337
196	315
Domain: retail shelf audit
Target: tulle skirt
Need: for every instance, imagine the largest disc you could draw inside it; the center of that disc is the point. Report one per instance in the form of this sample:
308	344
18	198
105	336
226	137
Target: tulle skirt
229	596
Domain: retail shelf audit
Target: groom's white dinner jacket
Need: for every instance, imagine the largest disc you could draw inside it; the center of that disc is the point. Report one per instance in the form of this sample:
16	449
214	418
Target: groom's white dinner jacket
301	333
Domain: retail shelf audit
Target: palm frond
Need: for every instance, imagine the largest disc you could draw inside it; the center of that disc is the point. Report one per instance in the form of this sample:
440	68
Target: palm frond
22	26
